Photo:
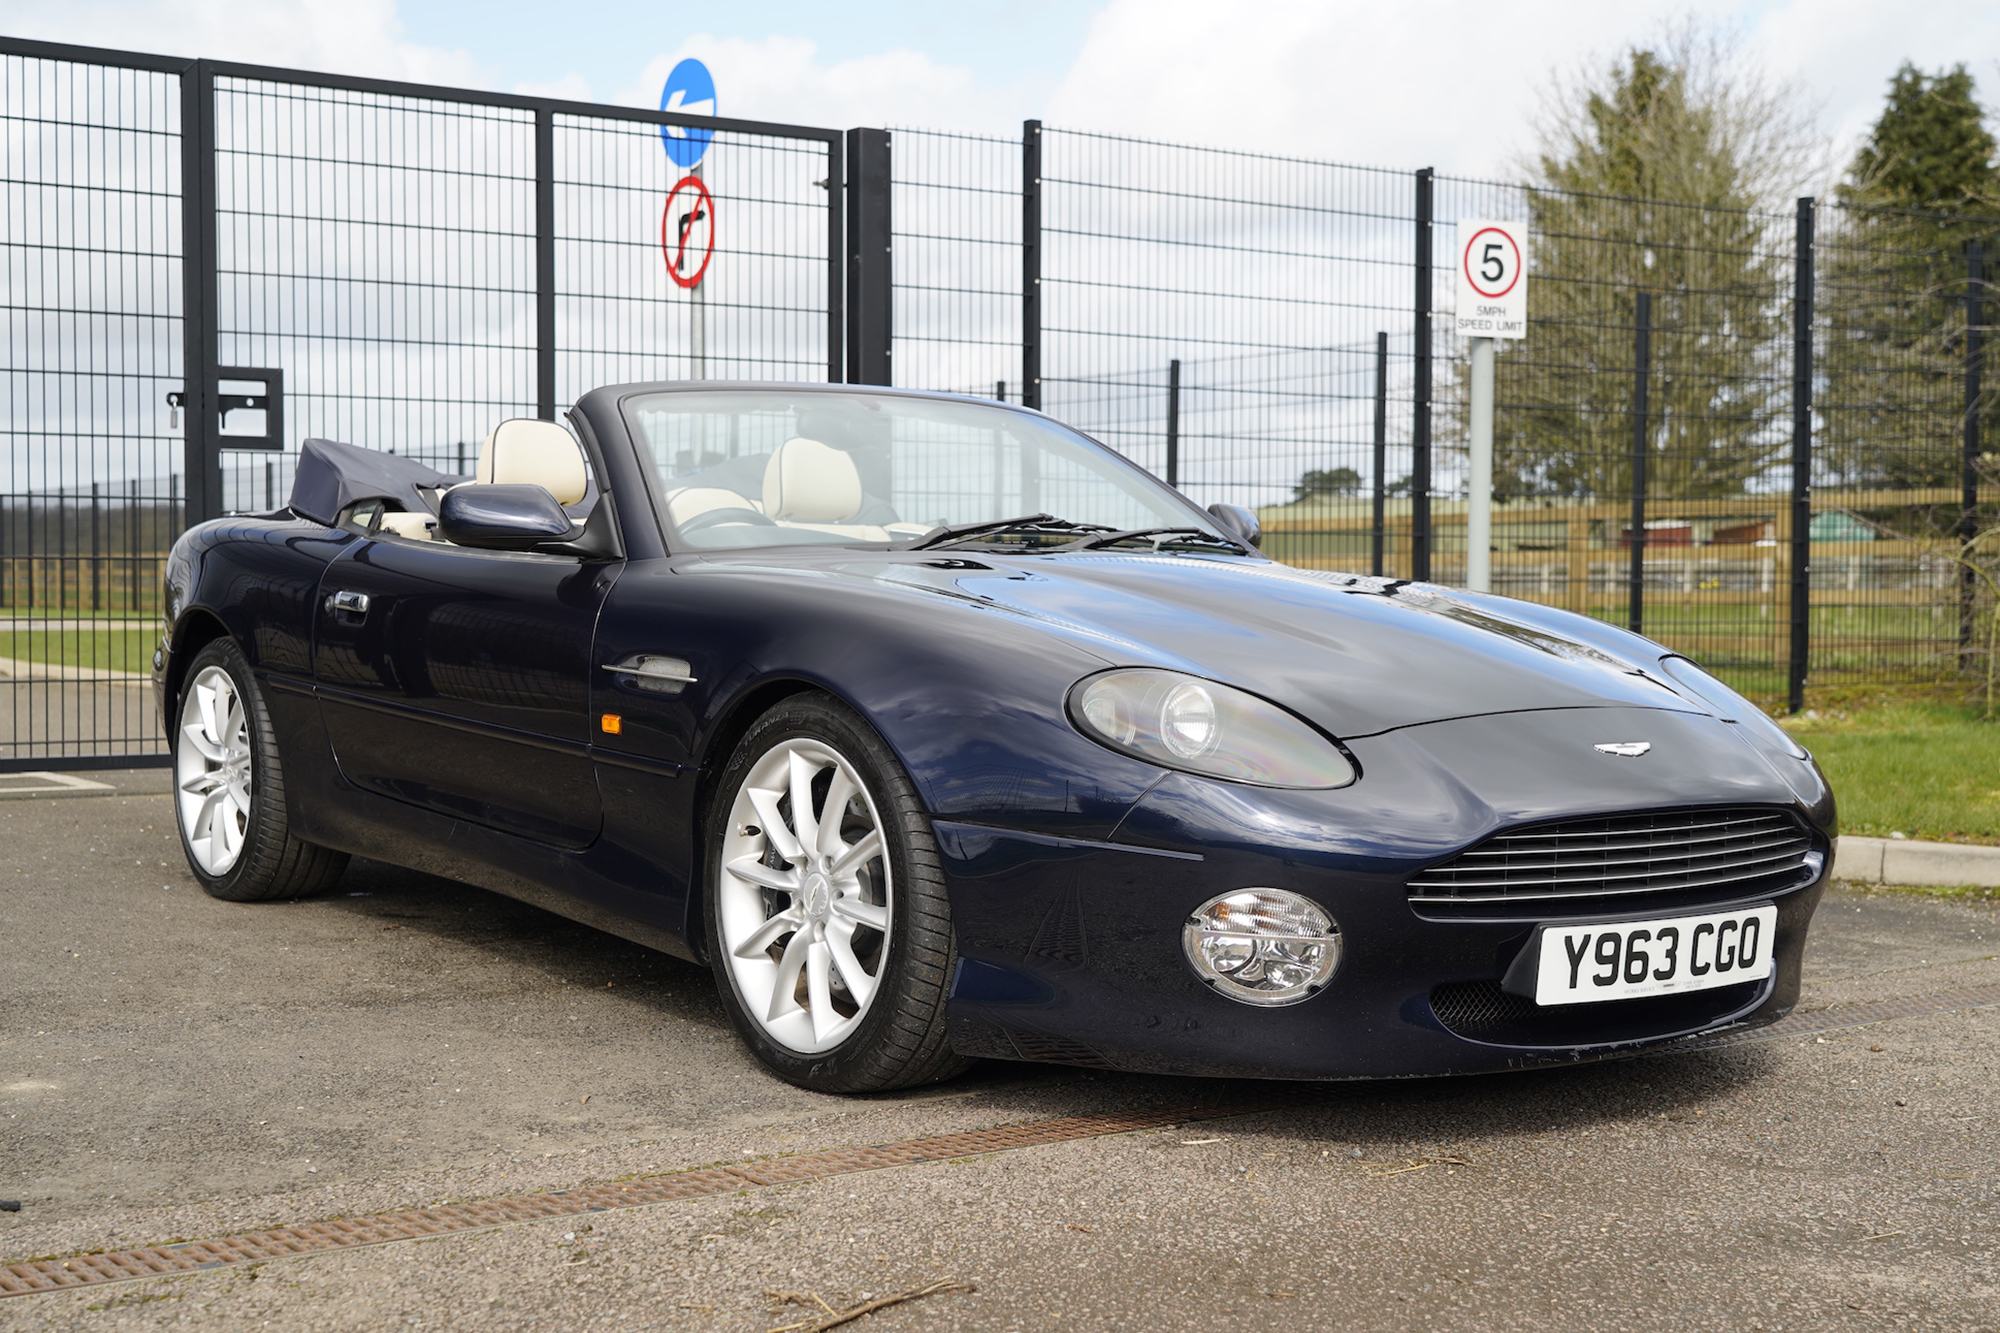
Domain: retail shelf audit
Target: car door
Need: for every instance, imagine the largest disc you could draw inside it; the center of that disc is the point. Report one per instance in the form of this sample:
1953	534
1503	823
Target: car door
460	680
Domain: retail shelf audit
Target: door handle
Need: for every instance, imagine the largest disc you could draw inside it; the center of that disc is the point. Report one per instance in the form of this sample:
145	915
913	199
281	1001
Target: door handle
353	604
657	675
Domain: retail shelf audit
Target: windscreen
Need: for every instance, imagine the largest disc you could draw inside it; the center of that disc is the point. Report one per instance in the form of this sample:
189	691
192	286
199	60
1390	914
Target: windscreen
743	468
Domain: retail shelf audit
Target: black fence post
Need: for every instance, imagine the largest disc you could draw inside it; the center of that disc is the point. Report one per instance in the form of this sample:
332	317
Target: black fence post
545	264
1968	509
1798	654
1642	372
1376	533
130	564
201	444
97	547
1000	390
1173	423
1031	263
870	276
1420	407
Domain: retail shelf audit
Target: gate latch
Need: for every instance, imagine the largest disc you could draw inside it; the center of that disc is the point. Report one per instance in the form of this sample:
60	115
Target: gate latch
242	389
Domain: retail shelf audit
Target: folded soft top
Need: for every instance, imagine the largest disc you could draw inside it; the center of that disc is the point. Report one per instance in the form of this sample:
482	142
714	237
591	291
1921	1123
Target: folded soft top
332	476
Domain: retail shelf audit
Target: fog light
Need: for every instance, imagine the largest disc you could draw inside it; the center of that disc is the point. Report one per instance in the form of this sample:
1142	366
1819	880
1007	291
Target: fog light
1262	946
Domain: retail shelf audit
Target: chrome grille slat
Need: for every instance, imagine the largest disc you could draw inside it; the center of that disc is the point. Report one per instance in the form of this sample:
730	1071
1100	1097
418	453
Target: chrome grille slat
1555	845
1622	891
1608	856
1761	844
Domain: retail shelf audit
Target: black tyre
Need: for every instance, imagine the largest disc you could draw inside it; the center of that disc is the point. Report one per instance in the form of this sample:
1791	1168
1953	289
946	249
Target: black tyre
828	921
229	788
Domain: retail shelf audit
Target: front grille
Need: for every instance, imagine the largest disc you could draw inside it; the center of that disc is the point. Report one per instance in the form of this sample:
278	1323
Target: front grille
1721	852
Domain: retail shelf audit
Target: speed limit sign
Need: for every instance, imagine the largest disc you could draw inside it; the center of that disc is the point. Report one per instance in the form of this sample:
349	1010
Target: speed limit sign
1492	279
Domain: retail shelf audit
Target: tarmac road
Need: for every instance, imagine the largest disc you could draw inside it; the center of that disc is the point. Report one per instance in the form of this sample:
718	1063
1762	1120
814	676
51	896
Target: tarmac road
173	1067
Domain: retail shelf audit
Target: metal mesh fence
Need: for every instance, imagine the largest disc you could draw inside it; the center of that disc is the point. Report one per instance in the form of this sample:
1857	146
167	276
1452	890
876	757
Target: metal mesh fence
89	494
759	309
422	263
956	226
1241	323
1706	443
379	249
1266	278
419	264
1903	480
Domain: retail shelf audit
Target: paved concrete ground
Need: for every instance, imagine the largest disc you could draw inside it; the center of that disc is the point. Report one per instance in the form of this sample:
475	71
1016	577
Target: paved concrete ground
173	1067
47	709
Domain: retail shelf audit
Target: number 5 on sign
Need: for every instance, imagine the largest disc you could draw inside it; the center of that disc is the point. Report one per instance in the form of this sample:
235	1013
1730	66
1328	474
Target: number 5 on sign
1492	279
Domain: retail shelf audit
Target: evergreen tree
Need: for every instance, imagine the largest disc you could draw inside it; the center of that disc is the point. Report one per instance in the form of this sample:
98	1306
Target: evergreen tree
1892	277
1930	150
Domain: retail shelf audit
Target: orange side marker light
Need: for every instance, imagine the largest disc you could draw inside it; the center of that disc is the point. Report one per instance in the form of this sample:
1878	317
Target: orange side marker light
611	724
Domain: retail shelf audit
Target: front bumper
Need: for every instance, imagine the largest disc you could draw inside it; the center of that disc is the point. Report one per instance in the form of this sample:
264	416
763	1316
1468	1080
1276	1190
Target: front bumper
1071	950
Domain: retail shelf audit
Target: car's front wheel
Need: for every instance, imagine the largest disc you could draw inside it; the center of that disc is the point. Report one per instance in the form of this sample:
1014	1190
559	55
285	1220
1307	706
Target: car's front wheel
827	914
229	789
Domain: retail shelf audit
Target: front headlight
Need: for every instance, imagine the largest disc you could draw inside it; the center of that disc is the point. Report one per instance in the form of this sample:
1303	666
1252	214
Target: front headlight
1728	705
1198	726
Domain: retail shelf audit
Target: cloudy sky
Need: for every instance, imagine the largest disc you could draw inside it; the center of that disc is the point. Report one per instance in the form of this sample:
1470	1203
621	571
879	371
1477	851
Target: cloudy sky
1448	83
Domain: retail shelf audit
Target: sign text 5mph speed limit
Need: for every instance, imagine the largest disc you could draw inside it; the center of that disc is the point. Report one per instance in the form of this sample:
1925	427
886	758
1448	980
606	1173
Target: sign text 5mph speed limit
1492	279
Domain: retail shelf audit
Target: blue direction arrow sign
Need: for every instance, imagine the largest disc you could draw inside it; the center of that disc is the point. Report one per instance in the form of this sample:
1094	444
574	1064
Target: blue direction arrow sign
689	88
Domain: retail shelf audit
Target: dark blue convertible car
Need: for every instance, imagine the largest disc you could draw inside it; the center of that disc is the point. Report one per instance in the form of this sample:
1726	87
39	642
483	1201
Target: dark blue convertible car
942	732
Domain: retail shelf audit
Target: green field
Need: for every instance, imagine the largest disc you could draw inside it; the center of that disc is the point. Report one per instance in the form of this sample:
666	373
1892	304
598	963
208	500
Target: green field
1927	770
121	649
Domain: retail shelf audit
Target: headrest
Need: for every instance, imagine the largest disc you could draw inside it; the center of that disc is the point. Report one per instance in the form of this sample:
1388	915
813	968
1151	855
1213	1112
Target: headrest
522	451
810	483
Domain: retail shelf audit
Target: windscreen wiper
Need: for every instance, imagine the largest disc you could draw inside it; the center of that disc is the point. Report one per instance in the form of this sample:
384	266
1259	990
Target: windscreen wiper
1099	540
952	532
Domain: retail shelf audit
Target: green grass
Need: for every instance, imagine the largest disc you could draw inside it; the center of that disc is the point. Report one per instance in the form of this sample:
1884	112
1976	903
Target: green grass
1957	893
115	650
1922	768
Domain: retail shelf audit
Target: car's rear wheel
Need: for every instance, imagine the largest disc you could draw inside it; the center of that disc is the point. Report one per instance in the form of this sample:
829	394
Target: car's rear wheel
229	789
828	919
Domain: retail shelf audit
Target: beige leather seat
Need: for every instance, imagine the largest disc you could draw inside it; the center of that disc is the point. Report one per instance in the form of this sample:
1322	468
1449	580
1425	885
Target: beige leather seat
808	482
522	451
811	485
417	527
518	451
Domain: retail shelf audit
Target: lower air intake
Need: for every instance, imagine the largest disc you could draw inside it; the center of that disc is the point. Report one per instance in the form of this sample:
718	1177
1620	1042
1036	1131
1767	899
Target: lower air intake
1480	1011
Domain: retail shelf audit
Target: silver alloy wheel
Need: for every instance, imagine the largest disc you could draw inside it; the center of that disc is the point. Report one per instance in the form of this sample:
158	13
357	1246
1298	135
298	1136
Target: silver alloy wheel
805	896
212	770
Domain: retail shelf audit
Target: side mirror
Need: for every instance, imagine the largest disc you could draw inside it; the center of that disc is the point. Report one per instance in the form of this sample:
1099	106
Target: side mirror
502	518
1239	522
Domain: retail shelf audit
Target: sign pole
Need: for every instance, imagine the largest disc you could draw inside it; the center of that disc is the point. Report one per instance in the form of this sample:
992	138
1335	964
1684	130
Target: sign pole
1479	485
1492	304
698	314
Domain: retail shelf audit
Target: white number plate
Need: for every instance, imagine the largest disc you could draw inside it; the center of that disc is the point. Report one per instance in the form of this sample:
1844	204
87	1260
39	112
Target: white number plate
1624	960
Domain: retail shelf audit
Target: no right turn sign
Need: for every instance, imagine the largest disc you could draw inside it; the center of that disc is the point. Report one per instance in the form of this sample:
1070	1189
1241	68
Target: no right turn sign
1492	279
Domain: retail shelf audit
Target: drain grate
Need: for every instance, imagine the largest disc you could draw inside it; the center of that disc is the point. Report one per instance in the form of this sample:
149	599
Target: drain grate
23	1279
40	1275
